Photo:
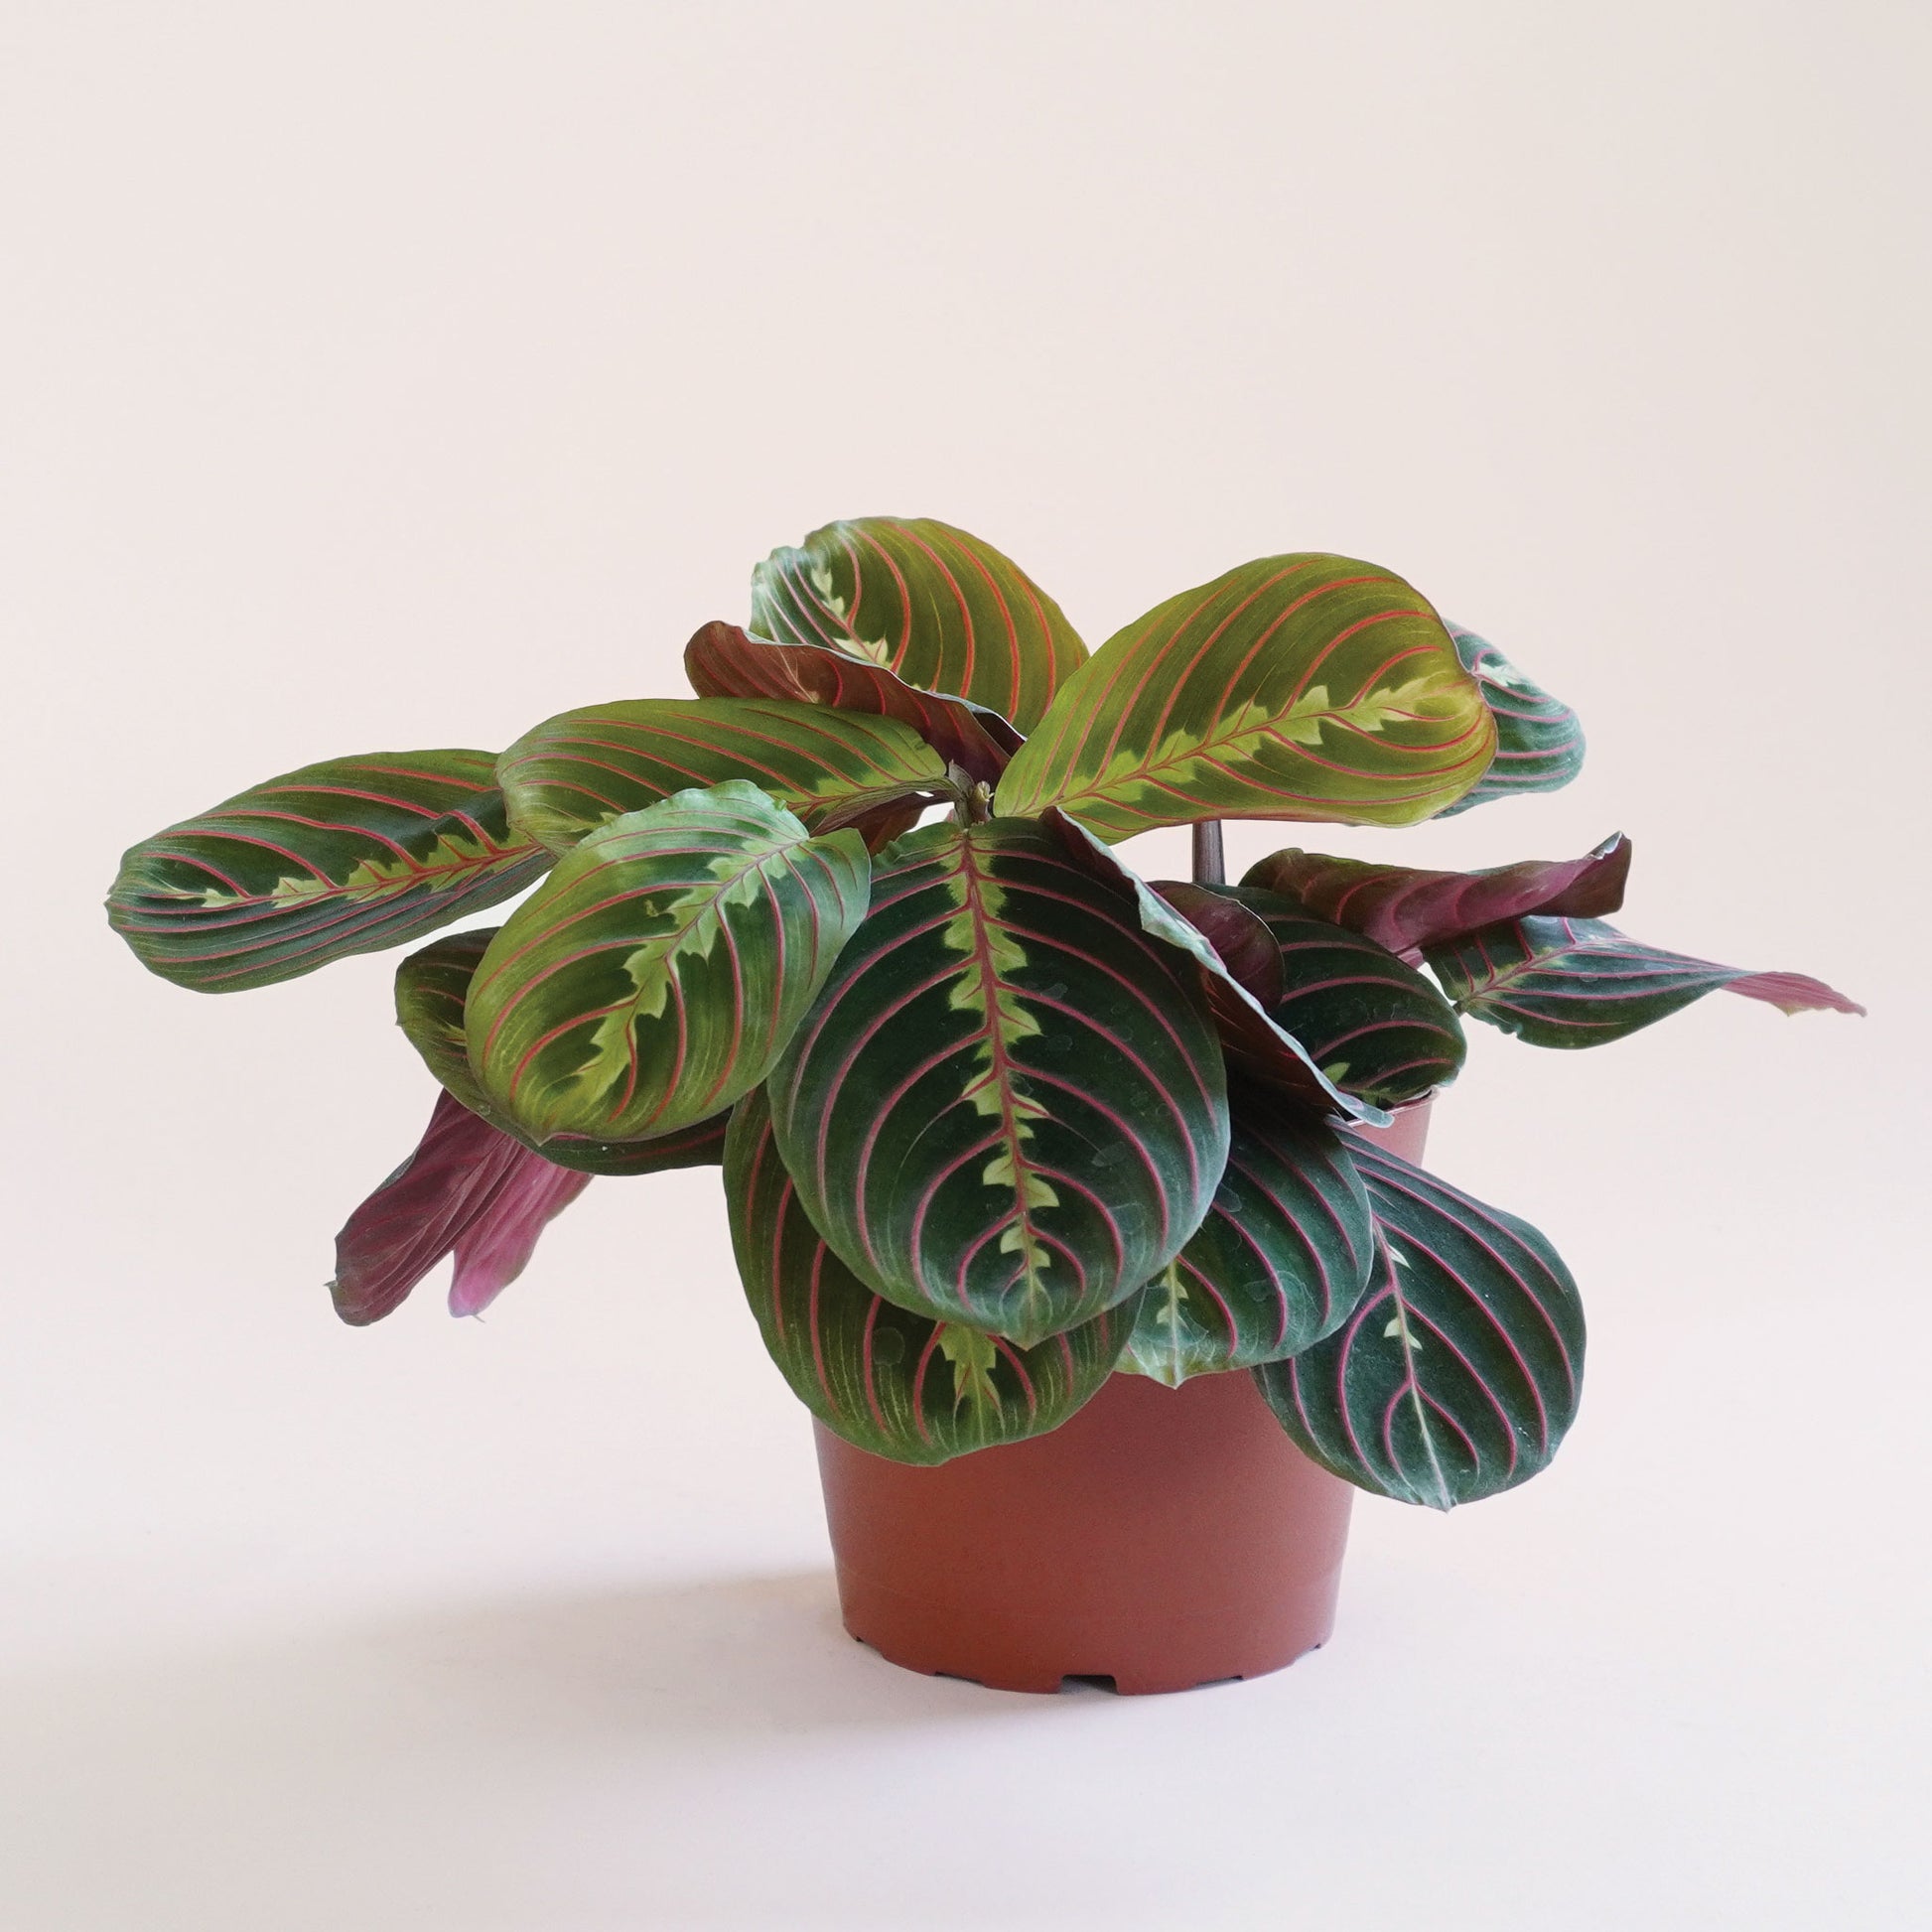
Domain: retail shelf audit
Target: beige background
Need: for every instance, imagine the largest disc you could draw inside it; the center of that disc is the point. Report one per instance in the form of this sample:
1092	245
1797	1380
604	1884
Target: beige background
396	376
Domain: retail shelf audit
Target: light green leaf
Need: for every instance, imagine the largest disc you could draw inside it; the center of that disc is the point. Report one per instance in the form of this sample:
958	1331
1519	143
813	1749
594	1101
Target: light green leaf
432	991
660	970
932	605
1295	687
832	769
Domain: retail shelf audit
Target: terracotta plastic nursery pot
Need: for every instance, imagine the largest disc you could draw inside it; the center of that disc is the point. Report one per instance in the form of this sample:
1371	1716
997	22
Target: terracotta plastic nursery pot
1160	1538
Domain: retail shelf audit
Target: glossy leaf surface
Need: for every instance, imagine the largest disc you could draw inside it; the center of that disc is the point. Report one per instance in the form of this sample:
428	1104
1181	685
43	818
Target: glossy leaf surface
432	987
1374	1025
723	661
1539	740
1253	1047
1406	909
1281	1259
1460	1370
1574	983
659	970
583	769
345	856
935	607
1299	687
893	1382
468	1190
1008	1108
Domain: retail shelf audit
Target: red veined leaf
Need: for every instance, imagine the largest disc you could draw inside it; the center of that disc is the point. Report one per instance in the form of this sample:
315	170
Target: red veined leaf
832	769
469	1191
1406	909
723	661
893	1382
659	971
432	988
1539	741
1374	1025
1299	687
1008	1108
1580	983
1269	1058
345	856
935	607
1459	1372
1282	1259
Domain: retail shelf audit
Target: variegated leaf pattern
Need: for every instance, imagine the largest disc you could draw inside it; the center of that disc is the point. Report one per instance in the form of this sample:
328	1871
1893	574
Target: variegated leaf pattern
660	969
935	607
1582	983
723	661
1460	1370
1300	687
432	987
348	856
1374	1025
832	769
1406	909
1253	1047
1282	1259
1539	741
1008	1108
893	1382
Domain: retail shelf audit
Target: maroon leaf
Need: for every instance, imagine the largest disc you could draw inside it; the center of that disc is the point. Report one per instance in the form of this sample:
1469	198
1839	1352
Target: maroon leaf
724	661
1406	909
1238	933
467	1190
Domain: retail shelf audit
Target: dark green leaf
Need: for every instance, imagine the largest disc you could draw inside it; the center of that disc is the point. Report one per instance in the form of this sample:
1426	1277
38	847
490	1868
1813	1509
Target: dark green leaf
1255	1048
660	969
935	607
1580	983
1374	1025
893	1382
350	856
1281	1259
1459	1372
1539	741
1008	1108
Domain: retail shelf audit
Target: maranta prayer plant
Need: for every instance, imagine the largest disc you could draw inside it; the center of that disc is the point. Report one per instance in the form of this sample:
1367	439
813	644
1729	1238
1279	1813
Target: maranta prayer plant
997	1118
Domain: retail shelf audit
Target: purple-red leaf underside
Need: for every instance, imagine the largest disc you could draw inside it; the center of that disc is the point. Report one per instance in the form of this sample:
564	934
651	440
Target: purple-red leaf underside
1406	909
724	661
467	1190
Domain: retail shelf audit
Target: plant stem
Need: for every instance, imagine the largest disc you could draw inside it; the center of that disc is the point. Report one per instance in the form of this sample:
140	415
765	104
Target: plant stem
1211	860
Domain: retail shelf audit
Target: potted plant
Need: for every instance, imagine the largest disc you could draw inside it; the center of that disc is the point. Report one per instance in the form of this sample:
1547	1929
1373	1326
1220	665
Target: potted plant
1084	1214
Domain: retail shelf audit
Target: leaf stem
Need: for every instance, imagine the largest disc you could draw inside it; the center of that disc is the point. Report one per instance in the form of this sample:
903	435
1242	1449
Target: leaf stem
1210	859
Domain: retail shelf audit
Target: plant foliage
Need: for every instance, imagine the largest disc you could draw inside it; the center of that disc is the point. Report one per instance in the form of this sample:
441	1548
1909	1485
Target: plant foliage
997	1116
